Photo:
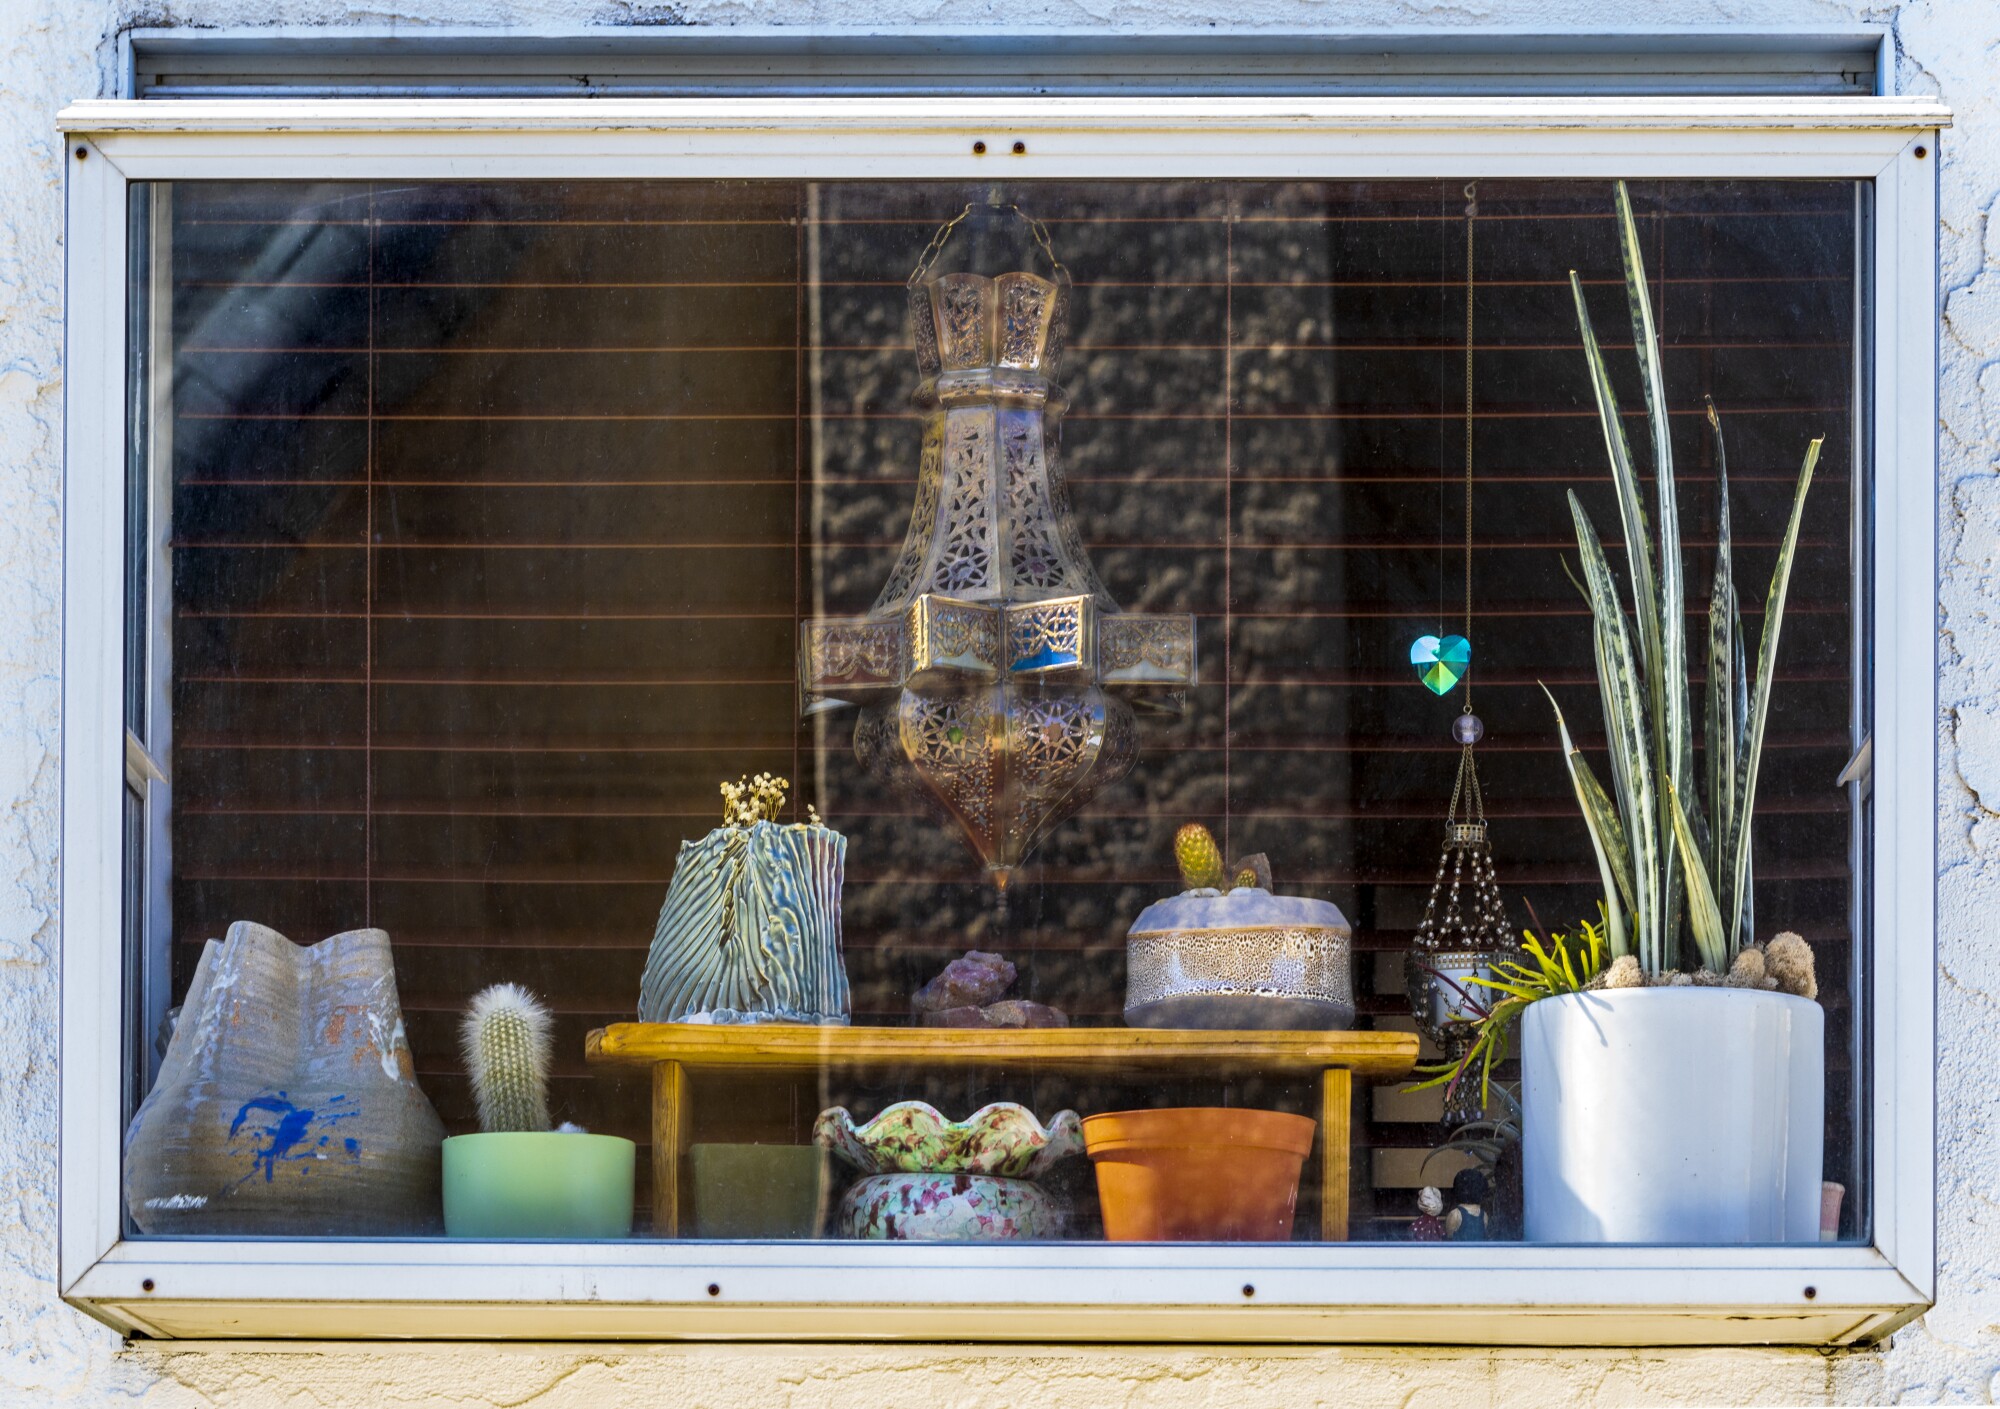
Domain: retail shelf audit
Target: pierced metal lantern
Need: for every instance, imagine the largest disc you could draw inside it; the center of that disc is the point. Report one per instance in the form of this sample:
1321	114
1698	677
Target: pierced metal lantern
1462	933
995	672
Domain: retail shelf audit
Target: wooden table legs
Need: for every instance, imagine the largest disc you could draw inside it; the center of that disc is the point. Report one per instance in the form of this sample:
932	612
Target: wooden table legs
1336	1095
673	1120
672	1115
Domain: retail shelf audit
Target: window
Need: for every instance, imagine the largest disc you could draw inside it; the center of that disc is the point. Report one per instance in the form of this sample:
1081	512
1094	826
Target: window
496	491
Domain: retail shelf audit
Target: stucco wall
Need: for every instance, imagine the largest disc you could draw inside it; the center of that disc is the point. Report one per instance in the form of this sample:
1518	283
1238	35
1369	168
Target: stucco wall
52	51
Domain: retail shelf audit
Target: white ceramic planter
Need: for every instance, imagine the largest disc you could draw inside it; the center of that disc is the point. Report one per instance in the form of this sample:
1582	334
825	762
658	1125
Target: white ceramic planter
1672	1115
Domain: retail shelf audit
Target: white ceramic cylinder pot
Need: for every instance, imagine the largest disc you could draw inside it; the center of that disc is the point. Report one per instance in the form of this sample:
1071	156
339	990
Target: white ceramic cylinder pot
1672	1115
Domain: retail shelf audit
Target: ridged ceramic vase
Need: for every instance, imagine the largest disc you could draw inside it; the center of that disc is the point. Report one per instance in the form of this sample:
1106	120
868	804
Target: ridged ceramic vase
750	931
288	1101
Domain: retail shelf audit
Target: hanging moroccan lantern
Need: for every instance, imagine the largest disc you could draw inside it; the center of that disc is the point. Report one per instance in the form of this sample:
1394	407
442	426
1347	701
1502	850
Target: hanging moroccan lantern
995	672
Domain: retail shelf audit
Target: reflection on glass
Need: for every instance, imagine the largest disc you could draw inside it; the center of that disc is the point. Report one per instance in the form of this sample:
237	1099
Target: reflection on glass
514	525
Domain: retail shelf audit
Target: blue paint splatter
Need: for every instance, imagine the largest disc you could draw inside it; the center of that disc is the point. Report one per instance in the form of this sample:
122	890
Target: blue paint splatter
290	1135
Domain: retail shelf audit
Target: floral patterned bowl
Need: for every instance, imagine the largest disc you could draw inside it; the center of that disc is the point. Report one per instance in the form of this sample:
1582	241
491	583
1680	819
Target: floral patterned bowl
912	1137
949	1208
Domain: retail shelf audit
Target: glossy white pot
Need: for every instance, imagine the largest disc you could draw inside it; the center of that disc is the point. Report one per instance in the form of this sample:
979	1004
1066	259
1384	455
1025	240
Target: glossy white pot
1672	1115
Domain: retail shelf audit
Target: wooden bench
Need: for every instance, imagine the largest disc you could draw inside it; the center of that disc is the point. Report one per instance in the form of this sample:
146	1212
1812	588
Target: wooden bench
681	1054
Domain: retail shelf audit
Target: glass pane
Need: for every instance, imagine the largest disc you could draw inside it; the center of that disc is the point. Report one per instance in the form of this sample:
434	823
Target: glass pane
506	518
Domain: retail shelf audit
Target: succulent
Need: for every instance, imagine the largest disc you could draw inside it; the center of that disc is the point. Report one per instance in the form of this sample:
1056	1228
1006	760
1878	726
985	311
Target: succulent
1200	859
1661	854
1245	879
507	1052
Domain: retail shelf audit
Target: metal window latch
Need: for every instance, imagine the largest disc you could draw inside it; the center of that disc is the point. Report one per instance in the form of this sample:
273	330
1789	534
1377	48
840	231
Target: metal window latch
1860	769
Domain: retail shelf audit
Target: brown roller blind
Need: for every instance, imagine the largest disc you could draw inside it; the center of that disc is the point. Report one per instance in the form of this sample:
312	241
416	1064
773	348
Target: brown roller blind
496	508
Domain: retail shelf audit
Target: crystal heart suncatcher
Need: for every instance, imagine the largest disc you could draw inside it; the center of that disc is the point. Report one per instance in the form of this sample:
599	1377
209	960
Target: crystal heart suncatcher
1441	663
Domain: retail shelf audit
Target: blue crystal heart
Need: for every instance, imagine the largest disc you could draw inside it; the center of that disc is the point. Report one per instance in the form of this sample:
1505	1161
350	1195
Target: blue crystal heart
1441	664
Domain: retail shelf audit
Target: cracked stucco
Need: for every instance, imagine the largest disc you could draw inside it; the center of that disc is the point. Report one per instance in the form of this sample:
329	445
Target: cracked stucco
52	51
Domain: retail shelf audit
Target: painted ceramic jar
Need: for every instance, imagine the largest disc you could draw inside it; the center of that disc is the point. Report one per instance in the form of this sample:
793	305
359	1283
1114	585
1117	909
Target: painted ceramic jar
949	1208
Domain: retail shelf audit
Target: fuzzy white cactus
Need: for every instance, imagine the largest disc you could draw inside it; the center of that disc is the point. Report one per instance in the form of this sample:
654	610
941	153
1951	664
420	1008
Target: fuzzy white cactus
507	1052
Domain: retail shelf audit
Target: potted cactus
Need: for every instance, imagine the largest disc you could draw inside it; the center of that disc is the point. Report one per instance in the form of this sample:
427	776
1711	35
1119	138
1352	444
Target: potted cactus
1677	1096
518	1178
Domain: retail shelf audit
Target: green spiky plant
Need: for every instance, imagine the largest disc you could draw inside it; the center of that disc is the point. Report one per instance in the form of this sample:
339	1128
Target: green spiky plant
1659	851
1565	964
505	1039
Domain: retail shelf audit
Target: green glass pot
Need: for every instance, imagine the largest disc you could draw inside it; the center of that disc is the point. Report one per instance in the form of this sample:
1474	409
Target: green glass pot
758	1191
538	1184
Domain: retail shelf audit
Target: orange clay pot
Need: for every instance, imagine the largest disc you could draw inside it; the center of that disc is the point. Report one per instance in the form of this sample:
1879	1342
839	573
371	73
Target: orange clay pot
1198	1174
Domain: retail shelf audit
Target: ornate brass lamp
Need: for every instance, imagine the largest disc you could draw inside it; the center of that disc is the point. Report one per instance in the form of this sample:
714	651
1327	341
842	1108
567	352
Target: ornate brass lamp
994	670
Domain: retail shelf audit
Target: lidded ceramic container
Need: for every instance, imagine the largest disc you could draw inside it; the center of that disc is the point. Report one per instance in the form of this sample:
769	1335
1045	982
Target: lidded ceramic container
1243	959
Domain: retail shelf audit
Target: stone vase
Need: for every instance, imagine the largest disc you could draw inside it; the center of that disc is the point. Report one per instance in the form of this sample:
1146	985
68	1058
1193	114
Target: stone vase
288	1101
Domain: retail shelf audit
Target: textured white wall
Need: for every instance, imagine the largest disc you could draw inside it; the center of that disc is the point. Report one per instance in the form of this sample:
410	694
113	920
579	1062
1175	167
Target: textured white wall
53	51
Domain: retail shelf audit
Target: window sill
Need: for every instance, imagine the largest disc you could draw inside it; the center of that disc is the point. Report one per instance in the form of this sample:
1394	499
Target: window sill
1489	1294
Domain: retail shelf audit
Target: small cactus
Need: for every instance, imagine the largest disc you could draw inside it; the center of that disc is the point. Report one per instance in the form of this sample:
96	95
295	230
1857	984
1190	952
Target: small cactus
505	1039
1200	859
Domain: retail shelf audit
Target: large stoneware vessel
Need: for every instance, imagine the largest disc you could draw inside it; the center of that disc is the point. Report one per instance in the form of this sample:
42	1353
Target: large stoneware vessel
288	1102
1672	1115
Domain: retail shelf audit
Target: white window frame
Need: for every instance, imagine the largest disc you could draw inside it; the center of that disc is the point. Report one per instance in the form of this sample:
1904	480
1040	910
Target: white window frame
1492	1293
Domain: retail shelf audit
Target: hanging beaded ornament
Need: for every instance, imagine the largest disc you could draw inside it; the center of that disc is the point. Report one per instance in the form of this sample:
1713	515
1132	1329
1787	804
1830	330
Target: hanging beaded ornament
1464	926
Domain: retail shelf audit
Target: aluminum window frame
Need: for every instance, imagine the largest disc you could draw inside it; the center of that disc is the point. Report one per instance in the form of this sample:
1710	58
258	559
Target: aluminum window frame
1487	1294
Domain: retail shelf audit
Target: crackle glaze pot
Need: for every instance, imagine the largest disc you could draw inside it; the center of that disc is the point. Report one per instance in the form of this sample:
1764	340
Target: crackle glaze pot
913	1137
949	1208
288	1101
1247	959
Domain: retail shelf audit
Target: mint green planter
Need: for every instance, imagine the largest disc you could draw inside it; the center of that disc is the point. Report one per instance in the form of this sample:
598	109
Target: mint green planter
538	1184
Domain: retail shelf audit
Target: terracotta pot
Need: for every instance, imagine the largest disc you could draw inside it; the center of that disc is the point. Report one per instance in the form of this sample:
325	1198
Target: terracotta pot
1198	1174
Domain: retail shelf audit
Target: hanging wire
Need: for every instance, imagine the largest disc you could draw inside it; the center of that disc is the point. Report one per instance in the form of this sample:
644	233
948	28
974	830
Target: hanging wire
1471	211
943	236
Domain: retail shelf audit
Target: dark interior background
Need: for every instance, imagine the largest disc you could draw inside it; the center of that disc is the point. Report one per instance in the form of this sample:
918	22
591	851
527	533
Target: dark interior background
496	508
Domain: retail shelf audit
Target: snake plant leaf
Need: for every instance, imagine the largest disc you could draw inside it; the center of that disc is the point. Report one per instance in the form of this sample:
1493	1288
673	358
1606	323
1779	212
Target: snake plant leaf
1626	719
1631	508
1607	834
1704	917
1760	691
1720	736
1666	665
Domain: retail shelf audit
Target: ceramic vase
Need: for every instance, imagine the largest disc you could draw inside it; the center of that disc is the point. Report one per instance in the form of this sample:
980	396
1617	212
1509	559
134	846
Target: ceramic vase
1672	1115
288	1101
750	931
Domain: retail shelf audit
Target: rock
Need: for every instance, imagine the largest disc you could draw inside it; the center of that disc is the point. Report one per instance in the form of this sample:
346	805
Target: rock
1019	1012
1011	1012
1624	973
1789	960
972	981
1748	970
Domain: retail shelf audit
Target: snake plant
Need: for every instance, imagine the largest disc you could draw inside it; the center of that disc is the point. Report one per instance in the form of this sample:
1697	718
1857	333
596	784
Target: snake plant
1659	850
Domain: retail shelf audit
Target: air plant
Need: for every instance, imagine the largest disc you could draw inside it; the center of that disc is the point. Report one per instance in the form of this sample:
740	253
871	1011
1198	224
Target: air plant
1658	850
